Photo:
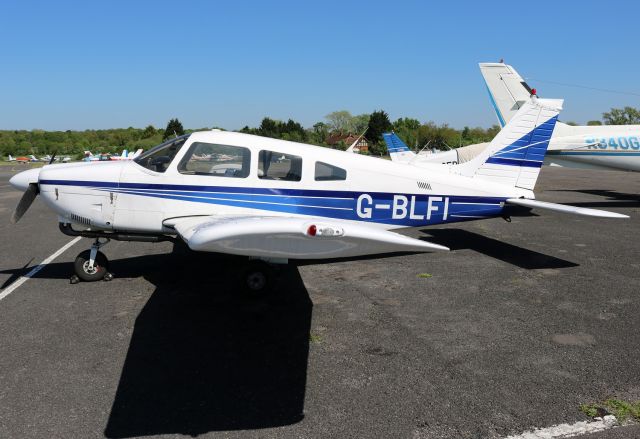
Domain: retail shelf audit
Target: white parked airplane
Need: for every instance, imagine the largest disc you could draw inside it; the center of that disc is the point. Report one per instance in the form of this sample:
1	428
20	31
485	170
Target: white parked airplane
90	157
597	147
318	203
587	147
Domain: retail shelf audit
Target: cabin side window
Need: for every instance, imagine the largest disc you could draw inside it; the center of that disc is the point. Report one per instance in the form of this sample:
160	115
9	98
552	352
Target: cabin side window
274	165
216	160
327	172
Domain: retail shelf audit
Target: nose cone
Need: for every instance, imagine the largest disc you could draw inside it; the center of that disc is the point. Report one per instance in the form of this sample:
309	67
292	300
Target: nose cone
22	179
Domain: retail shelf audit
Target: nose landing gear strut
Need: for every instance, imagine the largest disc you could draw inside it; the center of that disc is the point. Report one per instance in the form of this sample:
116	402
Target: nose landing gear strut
91	265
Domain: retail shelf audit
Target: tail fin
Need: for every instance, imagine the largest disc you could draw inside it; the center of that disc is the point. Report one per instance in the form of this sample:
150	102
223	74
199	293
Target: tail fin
398	150
10	159
124	154
514	157
507	90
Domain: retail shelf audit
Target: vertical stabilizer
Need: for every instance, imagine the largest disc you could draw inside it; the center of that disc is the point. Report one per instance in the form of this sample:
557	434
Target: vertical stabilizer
398	150
507	90
514	157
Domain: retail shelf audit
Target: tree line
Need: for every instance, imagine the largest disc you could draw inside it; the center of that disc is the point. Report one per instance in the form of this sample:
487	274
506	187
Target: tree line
416	134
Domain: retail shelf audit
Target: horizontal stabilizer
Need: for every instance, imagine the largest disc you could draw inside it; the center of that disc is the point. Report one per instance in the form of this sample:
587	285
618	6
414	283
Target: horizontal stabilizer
564	208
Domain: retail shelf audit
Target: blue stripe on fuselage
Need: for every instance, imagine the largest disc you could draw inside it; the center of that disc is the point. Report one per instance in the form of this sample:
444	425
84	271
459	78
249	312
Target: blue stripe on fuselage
319	203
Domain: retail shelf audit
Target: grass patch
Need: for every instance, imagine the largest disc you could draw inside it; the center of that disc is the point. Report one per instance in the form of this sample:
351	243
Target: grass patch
425	275
622	410
591	410
314	338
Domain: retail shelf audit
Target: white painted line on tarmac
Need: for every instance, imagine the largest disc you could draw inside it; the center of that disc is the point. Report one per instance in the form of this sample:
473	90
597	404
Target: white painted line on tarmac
11	288
569	430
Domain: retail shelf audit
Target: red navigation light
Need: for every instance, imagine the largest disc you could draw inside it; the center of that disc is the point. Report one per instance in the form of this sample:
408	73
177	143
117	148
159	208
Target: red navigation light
311	231
534	92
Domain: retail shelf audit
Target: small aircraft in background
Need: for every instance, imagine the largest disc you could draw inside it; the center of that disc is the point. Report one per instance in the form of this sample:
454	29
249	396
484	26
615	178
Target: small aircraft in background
89	157
588	147
47	159
52	159
585	147
22	159
318	203
126	155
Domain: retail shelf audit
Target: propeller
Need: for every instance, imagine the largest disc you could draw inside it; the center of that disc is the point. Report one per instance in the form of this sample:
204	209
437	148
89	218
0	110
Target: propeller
25	202
53	157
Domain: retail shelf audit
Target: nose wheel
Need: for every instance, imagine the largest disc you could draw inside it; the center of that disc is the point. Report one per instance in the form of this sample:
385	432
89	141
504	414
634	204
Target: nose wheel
91	265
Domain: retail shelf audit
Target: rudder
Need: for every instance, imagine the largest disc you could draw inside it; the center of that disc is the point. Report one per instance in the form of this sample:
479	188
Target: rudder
514	157
398	150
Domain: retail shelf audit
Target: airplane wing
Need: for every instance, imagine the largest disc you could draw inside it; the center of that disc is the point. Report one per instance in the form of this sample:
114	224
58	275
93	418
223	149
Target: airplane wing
291	238
564	208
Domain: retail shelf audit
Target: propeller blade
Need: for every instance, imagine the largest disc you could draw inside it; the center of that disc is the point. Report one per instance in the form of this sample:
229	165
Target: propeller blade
53	157
25	202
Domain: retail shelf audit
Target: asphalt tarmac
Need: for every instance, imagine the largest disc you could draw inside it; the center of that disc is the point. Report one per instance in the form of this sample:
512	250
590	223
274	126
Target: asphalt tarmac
512	330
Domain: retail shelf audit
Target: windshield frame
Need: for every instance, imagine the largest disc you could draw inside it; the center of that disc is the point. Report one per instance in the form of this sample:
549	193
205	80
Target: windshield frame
145	155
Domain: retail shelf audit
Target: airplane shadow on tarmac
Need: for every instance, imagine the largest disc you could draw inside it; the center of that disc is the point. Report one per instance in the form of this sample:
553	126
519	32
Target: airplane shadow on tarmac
458	239
205	357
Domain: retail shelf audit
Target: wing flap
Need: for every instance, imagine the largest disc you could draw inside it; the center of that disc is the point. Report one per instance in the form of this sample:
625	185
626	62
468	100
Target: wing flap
564	208
292	238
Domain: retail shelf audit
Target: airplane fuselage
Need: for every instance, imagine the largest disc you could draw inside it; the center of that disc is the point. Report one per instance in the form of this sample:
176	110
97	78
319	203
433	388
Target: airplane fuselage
597	147
129	196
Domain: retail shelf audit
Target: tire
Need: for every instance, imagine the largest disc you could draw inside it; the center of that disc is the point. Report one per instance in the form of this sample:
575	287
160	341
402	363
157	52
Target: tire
99	266
257	278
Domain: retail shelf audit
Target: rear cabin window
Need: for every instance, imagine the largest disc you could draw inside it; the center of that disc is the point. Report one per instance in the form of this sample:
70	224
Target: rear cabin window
216	160
274	165
327	172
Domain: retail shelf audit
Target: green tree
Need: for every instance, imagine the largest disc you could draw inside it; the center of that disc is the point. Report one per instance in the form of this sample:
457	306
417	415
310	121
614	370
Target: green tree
359	123
624	116
149	131
174	128
592	123
378	123
319	133
340	121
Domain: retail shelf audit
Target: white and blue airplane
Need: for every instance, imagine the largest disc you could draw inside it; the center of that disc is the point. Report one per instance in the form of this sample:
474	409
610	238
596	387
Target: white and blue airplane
587	147
275	200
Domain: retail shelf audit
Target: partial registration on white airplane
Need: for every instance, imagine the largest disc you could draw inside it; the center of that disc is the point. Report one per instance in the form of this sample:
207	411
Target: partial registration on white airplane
275	200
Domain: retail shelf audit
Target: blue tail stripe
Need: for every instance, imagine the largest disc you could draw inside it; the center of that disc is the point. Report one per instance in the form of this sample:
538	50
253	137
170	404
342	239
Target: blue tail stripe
529	150
394	143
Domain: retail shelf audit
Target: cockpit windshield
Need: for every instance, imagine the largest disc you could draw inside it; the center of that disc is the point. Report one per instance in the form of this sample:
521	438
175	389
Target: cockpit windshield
160	157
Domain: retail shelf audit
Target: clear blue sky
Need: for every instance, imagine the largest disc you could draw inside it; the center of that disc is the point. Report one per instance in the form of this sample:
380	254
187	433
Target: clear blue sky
89	64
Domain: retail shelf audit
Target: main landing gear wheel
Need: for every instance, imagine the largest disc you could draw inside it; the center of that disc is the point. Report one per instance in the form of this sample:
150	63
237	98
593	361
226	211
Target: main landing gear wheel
86	272
258	277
